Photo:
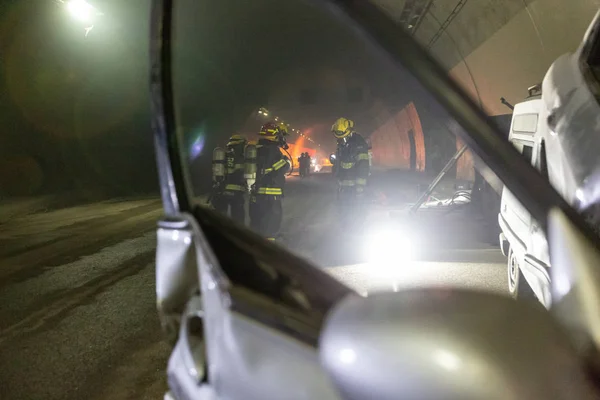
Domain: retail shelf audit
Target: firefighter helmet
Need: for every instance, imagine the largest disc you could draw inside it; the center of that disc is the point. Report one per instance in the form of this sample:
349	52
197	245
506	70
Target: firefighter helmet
269	130
342	128
236	139
283	129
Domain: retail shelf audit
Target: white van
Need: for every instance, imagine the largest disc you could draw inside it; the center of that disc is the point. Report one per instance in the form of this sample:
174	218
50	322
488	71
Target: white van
560	134
522	241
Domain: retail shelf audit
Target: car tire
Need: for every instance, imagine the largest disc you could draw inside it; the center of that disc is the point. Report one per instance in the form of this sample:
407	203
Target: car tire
518	288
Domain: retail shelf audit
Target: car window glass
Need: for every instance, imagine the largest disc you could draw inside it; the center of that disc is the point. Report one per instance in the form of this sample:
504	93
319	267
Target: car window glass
308	135
527	152
525	123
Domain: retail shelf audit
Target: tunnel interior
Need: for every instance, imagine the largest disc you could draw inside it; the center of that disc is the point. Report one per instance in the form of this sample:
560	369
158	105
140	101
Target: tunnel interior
303	66
75	119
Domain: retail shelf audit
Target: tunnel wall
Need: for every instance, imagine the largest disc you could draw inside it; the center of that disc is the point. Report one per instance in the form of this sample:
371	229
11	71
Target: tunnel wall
464	165
391	144
518	55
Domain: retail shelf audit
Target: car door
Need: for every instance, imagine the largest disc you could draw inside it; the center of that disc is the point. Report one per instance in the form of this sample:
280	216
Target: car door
252	325
514	213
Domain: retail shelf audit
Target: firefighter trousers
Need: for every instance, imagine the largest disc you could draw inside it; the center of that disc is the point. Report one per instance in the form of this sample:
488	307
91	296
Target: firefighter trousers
232	204
351	208
266	214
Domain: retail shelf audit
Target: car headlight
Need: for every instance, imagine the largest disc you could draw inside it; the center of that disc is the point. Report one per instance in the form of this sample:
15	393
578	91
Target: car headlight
390	253
389	248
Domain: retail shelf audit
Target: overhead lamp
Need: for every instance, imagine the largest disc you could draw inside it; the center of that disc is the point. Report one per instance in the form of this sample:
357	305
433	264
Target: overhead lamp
81	10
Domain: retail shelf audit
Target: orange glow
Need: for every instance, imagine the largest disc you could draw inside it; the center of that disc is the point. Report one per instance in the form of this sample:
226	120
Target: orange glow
298	148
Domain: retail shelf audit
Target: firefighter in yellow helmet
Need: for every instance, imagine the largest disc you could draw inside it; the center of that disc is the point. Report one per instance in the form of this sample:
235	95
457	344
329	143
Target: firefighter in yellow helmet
228	192
266	201
351	168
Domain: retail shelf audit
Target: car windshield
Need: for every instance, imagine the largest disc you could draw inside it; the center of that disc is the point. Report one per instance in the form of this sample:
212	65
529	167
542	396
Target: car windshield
290	122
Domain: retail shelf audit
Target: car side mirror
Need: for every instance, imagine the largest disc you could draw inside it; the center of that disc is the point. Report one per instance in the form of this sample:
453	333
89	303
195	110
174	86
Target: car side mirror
450	344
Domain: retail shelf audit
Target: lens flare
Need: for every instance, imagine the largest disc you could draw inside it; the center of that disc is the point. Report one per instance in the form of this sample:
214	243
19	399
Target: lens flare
197	146
81	10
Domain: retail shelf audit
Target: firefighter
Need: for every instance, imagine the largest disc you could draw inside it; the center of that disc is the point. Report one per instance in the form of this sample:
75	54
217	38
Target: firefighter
303	164
300	161
266	208
306	164
229	196
351	169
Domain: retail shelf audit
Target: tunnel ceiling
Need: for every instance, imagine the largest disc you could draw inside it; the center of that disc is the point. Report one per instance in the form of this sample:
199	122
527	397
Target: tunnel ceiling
281	38
228	52
290	52
452	29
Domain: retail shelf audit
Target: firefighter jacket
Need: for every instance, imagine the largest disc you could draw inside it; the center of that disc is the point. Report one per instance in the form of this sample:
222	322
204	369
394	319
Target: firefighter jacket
234	168
271	167
352	162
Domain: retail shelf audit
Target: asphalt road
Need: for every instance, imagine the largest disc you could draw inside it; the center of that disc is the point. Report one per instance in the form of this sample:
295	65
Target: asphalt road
77	314
450	247
77	305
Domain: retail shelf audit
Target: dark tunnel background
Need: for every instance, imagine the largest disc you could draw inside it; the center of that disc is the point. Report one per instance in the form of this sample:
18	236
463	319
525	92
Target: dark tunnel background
75	110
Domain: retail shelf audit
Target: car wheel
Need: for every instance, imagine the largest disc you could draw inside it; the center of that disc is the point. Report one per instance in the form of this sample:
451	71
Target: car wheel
518	287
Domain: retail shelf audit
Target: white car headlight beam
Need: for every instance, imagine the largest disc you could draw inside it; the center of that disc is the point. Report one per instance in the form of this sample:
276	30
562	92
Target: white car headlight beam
389	252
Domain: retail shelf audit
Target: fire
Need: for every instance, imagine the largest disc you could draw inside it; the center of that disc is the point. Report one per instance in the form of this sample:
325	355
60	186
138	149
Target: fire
298	148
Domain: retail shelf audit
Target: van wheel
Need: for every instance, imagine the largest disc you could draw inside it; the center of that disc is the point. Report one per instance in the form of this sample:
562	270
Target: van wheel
518	287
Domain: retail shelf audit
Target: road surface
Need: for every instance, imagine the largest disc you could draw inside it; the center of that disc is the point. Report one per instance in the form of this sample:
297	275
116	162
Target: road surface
454	247
77	305
77	315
